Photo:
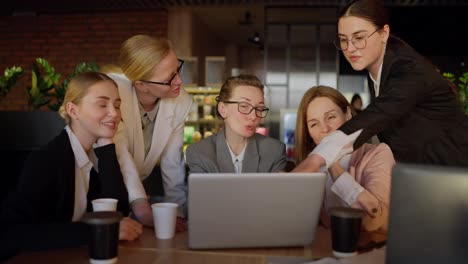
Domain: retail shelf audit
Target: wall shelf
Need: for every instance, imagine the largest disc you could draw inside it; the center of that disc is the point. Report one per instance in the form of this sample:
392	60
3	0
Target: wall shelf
202	119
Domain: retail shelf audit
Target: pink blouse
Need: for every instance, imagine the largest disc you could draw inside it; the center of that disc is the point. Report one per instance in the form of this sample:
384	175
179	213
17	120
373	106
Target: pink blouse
370	166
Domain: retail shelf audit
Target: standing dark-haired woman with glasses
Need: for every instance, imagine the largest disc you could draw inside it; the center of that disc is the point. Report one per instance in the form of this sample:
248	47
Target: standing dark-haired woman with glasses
237	148
154	107
412	109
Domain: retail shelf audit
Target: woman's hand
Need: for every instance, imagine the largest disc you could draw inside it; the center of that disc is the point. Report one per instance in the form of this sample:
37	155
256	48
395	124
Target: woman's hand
129	229
143	212
336	170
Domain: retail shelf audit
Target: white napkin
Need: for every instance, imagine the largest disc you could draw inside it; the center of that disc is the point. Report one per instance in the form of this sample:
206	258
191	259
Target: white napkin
376	256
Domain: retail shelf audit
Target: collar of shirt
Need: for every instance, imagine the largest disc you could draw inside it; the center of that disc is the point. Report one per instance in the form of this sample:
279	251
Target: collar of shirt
83	166
81	158
151	114
239	157
377	82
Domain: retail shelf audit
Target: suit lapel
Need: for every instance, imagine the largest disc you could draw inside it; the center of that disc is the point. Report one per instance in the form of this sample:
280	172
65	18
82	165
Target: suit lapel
387	61
370	83
131	118
223	156
251	157
136	131
66	164
389	57
163	128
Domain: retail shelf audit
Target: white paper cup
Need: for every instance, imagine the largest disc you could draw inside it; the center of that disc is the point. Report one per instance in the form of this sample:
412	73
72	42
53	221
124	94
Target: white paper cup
164	216
103	261
104	204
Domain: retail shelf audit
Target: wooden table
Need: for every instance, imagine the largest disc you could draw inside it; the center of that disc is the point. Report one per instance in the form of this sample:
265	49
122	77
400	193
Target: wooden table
147	249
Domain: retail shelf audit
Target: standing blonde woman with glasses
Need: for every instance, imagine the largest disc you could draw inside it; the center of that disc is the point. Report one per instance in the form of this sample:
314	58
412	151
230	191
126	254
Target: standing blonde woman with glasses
412	109
237	148
154	107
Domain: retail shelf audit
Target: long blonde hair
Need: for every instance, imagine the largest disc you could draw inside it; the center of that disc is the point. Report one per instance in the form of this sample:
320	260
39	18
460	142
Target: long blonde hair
78	88
304	143
140	54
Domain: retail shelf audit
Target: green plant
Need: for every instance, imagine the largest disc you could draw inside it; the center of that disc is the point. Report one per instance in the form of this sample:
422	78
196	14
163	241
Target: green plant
9	79
45	87
43	80
462	83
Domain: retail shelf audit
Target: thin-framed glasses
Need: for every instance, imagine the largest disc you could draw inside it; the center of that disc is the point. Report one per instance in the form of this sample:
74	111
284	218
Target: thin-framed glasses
179	70
359	42
246	108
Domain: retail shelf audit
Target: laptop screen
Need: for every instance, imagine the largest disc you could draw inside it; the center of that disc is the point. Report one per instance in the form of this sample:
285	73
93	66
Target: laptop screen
428	215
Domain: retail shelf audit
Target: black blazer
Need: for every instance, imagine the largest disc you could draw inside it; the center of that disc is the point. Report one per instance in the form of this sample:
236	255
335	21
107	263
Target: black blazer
38	213
416	113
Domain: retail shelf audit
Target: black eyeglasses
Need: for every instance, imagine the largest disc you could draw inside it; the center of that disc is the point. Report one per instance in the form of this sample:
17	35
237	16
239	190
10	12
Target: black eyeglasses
359	42
246	108
179	70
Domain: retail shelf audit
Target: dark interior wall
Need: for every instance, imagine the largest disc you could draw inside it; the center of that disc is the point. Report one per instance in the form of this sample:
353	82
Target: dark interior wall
437	32
205	43
21	133
433	30
68	39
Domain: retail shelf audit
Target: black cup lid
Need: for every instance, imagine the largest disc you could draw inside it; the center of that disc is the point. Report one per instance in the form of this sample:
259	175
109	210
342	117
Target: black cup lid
346	212
102	217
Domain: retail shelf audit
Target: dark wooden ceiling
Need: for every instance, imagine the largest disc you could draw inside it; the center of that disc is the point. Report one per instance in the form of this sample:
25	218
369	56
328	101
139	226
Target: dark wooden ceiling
11	7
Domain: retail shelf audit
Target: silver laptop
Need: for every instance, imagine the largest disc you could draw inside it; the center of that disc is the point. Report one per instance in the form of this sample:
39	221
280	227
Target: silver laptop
428	215
228	210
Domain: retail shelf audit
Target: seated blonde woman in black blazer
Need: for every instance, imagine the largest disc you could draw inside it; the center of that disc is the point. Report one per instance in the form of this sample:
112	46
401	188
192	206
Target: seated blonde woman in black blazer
59	181
237	148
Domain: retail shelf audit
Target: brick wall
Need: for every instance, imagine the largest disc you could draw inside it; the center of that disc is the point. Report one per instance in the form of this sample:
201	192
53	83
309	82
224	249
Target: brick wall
66	40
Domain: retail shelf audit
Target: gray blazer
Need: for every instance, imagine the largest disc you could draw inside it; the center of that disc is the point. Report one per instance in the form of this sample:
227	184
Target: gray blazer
210	155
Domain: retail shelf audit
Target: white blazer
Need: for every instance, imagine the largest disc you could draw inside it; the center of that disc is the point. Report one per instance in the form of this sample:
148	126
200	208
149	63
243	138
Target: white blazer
167	141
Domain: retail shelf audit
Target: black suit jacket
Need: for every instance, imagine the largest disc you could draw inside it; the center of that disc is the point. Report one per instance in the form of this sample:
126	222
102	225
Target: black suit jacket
416	113
38	213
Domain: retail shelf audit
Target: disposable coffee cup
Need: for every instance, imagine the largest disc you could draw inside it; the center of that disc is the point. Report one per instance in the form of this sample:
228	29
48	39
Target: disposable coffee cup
103	243
345	229
104	204
164	216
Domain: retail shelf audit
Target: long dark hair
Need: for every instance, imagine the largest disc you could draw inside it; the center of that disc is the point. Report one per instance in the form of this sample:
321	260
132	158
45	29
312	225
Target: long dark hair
373	11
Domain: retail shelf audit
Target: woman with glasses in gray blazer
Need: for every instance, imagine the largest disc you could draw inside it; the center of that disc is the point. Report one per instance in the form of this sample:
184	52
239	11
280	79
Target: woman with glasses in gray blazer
237	147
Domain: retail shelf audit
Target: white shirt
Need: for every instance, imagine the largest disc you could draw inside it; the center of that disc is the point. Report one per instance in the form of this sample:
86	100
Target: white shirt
345	190
147	125
83	165
237	160
377	82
